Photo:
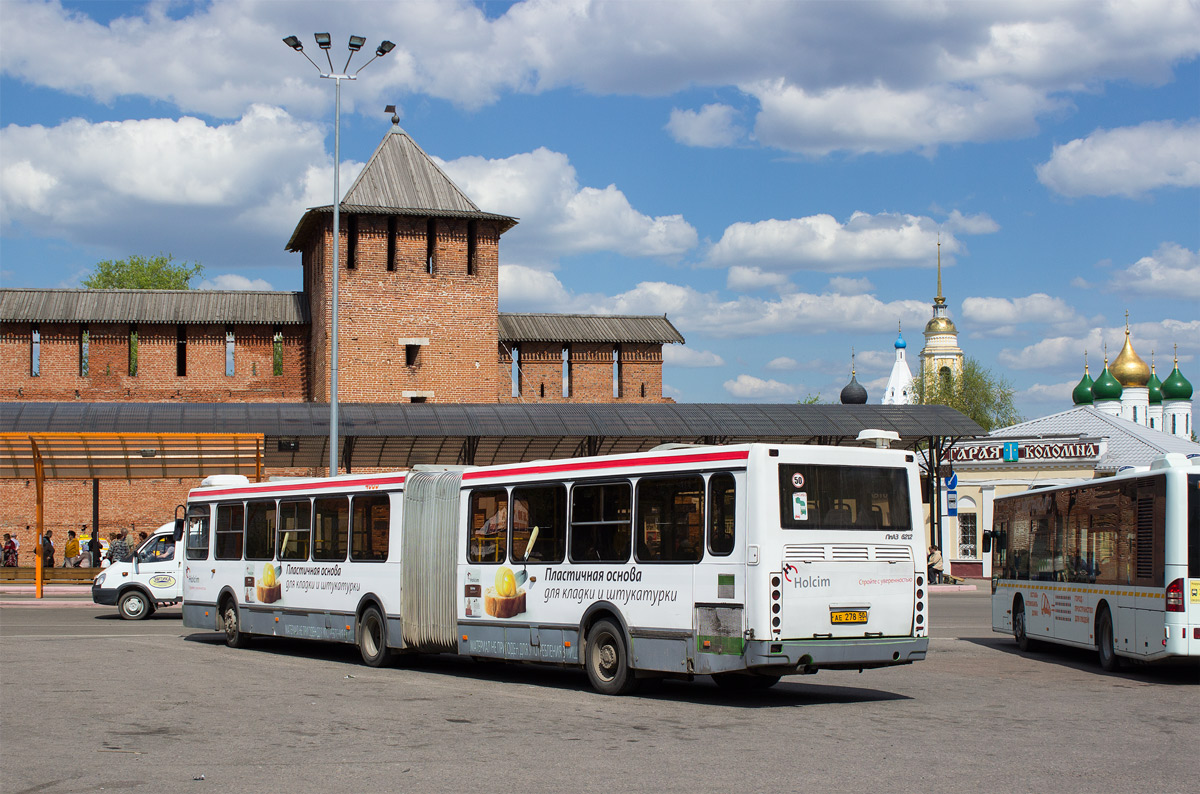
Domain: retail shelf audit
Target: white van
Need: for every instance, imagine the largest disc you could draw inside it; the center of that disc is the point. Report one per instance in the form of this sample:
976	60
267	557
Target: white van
153	578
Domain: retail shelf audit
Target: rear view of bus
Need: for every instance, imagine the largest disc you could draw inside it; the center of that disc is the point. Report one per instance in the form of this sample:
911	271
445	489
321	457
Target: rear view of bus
840	579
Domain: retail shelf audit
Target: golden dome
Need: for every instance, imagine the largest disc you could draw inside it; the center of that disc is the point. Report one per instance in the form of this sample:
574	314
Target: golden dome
940	325
1128	367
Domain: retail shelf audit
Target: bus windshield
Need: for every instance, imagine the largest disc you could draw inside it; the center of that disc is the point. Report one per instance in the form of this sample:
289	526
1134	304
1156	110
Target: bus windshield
843	497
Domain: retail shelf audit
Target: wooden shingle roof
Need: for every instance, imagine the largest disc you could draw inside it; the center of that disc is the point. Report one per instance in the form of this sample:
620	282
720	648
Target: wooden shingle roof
515	327
152	306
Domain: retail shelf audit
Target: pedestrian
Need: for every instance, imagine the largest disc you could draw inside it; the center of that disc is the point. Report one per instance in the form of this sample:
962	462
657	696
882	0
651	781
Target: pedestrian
73	556
119	548
935	565
10	551
48	550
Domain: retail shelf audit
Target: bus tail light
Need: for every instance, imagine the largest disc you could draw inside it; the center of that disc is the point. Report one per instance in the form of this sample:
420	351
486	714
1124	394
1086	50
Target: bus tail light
1175	596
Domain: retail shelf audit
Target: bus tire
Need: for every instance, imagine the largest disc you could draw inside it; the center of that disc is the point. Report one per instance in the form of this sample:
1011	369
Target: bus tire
1020	630
607	660
372	638
744	682
234	636
134	605
1109	661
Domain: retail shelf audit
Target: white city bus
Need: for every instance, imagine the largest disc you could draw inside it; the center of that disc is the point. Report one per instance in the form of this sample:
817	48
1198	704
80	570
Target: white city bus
1111	564
742	562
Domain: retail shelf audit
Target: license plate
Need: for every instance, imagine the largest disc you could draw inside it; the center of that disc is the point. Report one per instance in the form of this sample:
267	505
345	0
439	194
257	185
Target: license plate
848	617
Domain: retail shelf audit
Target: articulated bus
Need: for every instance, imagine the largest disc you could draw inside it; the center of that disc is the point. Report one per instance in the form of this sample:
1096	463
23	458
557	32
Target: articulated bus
1111	564
745	562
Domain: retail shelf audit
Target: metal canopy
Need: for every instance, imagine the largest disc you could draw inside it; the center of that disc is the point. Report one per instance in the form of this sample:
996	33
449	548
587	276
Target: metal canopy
402	435
128	456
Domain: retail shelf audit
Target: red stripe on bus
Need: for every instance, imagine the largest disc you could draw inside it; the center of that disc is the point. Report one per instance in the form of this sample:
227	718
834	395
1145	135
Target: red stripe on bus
301	486
566	468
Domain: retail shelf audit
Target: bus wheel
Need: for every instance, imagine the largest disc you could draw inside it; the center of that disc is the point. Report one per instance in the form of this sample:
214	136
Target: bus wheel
234	637
1018	621
607	661
744	682
372	638
1104	642
133	605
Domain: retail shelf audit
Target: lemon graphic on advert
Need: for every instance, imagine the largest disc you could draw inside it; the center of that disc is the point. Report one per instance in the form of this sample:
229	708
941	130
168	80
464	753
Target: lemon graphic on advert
506	583
268	577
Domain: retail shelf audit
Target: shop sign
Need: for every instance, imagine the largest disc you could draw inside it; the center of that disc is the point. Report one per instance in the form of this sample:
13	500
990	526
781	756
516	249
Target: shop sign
1019	451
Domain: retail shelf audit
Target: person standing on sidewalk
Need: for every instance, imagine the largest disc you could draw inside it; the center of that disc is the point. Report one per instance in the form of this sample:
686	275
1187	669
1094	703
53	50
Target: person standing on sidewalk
48	549
72	555
10	551
119	548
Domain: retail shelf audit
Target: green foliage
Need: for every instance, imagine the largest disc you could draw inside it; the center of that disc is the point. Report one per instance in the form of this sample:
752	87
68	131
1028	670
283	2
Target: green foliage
140	272
984	397
812	399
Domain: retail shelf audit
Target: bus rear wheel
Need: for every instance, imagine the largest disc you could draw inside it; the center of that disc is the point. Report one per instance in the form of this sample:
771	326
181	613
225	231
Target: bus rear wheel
1020	633
234	636
372	638
607	660
1109	660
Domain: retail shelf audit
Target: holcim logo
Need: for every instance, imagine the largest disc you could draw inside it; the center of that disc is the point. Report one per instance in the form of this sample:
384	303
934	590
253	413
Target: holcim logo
799	582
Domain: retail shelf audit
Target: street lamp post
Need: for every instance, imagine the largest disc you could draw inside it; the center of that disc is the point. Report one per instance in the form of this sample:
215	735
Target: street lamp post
325	42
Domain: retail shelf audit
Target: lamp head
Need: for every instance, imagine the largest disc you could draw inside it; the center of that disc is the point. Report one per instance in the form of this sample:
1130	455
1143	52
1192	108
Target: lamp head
294	43
384	48
356	43
323	40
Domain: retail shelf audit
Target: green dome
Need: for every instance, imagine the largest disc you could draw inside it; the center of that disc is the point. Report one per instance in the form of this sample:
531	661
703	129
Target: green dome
1154	387
1083	392
1176	387
1106	387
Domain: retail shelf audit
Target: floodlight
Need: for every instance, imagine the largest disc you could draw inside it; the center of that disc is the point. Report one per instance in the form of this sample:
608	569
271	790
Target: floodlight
294	43
356	43
323	40
384	49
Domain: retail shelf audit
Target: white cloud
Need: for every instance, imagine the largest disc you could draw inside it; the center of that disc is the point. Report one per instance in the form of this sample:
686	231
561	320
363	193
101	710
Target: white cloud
826	76
712	125
1171	272
748	279
748	387
1065	353
528	289
558	216
981	223
235	281
1128	161
1007	316
165	182
850	286
821	243
782	364
683	356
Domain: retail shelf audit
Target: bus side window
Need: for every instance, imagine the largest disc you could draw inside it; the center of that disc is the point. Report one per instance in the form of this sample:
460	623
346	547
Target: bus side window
670	519
331	529
197	533
231	522
370	525
260	530
600	527
489	526
721	502
295	521
544	507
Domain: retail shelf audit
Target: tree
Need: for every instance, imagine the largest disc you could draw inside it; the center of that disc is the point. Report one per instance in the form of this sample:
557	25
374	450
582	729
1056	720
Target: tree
984	397
140	272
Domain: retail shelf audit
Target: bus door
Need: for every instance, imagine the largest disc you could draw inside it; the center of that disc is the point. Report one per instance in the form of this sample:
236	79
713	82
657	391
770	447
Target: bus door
720	580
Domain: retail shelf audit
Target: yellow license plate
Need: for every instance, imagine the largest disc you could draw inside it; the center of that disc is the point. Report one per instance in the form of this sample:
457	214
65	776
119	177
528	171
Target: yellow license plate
848	617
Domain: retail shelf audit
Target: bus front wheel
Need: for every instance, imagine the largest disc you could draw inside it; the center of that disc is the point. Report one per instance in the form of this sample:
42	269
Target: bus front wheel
1109	660
607	660
133	605
372	638
234	636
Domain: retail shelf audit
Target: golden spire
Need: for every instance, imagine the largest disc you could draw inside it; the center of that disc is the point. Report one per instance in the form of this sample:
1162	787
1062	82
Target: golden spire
852	373
1085	369
939	300
1128	367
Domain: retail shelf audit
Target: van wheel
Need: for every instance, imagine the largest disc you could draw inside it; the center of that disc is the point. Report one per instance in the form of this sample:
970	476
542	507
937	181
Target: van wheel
372	638
234	637
1020	633
744	682
607	661
1109	660
133	605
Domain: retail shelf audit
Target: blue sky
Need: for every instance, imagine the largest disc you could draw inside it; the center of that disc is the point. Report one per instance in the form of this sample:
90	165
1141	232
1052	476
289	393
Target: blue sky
772	176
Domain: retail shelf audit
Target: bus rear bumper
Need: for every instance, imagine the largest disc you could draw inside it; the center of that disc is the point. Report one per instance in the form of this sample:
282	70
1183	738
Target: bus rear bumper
801	656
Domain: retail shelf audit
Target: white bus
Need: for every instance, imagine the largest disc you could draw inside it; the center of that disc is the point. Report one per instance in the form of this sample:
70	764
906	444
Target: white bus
1111	564
742	562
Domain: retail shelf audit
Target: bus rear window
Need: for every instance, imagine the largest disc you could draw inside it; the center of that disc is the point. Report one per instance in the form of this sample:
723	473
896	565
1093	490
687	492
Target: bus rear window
1193	524
844	497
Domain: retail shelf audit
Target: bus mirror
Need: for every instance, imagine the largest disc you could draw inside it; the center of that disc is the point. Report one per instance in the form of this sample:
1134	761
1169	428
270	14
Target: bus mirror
987	542
178	530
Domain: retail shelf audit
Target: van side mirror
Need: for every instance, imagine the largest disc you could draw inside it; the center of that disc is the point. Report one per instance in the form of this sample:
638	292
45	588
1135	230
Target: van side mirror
987	542
178	530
